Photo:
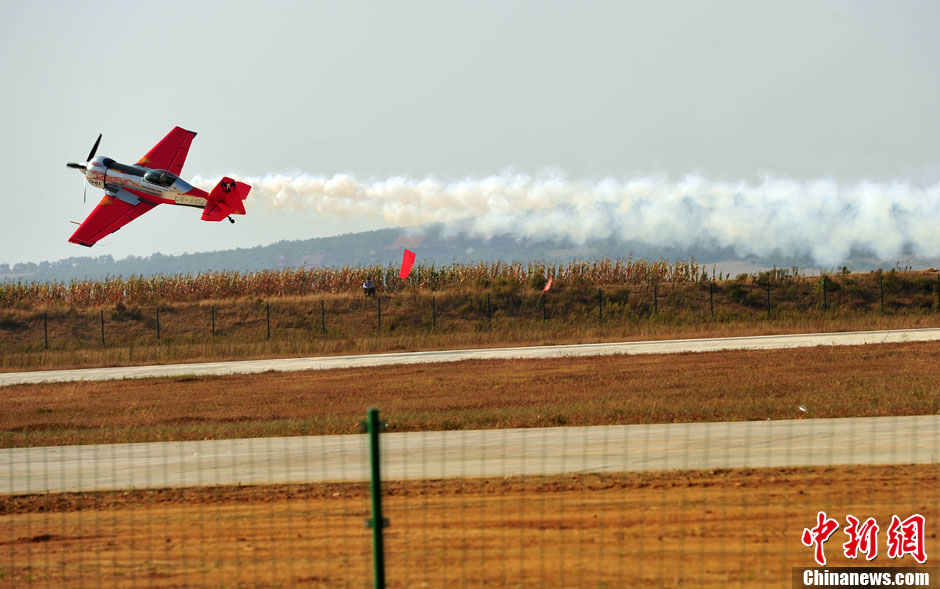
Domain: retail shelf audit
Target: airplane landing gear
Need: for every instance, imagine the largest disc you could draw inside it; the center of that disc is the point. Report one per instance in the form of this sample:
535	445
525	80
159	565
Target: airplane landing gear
230	219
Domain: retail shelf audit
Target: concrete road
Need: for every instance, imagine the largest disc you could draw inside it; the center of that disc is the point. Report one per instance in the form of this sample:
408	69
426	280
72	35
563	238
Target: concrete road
429	455
764	342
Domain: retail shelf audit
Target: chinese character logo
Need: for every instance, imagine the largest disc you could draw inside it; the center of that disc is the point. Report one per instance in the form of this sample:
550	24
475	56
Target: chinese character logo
862	538
907	537
903	537
818	535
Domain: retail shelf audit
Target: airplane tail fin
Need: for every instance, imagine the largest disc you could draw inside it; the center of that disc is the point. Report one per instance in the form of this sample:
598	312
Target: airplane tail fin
226	199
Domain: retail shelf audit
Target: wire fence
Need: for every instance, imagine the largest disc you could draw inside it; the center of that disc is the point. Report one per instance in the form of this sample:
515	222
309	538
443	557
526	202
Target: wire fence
391	312
700	504
717	504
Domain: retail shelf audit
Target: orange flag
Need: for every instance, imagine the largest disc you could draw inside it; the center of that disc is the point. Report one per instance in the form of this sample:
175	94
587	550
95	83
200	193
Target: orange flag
407	261
548	284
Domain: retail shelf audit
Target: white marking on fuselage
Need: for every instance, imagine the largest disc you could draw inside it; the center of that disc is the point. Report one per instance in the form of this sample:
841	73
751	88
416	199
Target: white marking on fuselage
101	176
185	199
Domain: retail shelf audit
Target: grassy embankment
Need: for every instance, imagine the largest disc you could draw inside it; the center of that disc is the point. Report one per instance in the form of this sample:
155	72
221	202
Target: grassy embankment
113	324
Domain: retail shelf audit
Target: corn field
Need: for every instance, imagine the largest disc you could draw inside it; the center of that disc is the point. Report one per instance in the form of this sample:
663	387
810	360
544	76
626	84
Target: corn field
180	288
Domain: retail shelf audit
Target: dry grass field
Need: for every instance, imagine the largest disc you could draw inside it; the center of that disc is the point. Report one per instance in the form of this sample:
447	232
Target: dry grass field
842	381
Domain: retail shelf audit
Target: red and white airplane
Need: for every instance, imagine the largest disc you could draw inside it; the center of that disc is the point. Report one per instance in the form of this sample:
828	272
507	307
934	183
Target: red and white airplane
131	191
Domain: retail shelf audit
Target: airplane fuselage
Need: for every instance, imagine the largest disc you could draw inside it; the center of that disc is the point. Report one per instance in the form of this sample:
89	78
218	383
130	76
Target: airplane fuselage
154	186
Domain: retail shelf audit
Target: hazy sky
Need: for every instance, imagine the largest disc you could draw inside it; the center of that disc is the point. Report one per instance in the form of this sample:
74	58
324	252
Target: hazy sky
732	91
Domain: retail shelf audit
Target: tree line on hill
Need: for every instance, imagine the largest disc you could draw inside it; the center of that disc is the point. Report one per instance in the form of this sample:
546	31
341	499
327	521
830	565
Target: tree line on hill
433	244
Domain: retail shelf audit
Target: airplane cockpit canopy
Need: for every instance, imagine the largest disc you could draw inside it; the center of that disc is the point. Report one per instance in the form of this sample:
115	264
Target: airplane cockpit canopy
161	178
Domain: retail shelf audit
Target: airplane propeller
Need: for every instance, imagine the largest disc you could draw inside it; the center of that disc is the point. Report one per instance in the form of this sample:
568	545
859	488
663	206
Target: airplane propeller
91	154
94	148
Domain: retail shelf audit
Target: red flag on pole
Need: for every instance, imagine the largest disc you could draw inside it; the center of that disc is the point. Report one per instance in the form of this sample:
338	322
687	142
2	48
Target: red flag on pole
548	284
407	261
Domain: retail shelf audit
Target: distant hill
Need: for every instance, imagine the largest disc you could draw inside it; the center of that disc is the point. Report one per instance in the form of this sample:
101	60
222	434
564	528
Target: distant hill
385	246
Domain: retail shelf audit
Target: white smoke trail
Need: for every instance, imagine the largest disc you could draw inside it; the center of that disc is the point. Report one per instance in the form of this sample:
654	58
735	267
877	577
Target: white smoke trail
776	216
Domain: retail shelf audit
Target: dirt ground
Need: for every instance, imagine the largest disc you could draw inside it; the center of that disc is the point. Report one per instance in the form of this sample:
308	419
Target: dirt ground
737	528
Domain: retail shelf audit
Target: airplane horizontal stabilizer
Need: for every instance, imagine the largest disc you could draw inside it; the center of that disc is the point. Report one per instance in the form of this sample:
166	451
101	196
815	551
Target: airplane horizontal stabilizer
226	199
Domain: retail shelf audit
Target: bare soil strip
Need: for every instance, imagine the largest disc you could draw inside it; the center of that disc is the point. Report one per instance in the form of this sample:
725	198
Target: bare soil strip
704	528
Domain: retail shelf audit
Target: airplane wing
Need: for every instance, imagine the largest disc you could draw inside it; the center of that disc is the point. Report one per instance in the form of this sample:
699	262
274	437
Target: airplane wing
115	210
170	153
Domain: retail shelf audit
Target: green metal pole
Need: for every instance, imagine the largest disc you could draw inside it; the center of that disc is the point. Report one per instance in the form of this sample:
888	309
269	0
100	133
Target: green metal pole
433	312
600	306
158	323
655	300
378	302
323	315
825	299
267	314
489	310
378	522
102	328
45	328
212	308
711	298
543	306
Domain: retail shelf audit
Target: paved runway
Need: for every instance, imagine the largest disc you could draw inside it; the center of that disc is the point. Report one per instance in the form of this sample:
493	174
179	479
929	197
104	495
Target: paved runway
429	455
765	342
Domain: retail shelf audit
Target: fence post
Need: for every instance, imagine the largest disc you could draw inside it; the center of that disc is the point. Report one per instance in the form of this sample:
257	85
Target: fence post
378	302
323	316
45	328
158	323
378	522
102	327
433	311
711	298
212	308
768	299
267	316
882	289
825	299
542	298
489	312
655	299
